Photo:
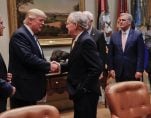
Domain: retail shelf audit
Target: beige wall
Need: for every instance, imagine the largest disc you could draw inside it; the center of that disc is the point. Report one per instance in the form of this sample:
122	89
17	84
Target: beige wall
4	40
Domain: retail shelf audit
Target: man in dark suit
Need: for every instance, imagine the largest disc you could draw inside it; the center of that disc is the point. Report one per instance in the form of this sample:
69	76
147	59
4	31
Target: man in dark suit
84	67
27	63
126	51
6	89
98	36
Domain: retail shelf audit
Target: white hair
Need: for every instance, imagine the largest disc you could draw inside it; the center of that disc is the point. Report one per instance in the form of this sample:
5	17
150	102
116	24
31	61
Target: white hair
34	13
79	19
89	15
129	16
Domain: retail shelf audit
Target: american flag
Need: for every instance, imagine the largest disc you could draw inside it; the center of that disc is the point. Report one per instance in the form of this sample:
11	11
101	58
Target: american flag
104	21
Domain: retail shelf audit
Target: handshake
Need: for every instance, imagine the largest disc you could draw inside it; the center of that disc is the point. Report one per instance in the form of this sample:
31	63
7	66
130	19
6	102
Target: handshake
55	67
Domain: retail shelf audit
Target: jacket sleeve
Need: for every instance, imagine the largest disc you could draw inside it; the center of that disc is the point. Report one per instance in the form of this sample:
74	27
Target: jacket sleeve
5	89
140	51
93	61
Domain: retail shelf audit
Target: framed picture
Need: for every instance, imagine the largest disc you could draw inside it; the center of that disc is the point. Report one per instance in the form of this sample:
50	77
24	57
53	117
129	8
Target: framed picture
54	32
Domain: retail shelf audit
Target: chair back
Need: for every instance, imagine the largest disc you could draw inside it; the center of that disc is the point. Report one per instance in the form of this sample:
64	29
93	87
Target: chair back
35	111
128	100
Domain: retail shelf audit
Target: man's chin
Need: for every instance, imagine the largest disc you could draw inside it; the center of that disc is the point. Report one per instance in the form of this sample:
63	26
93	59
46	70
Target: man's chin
38	31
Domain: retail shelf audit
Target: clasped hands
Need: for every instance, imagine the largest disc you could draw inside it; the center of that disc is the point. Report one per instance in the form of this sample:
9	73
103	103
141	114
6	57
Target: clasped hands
55	67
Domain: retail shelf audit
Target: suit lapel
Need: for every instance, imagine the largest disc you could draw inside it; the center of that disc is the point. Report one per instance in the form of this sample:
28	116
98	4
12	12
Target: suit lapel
34	43
74	50
36	47
76	47
129	38
39	50
119	36
130	35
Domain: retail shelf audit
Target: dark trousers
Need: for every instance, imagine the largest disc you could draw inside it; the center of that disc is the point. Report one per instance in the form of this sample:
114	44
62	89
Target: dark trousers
119	79
15	103
3	104
86	106
123	78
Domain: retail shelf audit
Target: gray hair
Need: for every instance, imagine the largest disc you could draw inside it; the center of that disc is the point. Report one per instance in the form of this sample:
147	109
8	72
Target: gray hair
89	15
78	18
34	13
129	16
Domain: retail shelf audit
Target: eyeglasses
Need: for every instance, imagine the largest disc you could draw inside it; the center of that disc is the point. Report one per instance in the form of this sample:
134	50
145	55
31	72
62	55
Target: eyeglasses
67	23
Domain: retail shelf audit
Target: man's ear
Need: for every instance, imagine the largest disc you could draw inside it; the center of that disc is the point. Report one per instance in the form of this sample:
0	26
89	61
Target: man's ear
76	25
30	20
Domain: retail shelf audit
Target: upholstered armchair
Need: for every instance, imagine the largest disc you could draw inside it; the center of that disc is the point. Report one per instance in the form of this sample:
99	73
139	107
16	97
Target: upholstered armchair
35	111
128	100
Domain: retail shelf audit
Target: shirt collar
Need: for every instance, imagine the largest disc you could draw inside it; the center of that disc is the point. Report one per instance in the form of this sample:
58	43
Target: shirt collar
127	31
29	29
76	38
89	30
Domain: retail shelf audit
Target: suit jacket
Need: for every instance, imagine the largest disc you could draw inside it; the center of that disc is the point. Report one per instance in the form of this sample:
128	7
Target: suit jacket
147	64
5	87
99	38
84	66
27	65
130	61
